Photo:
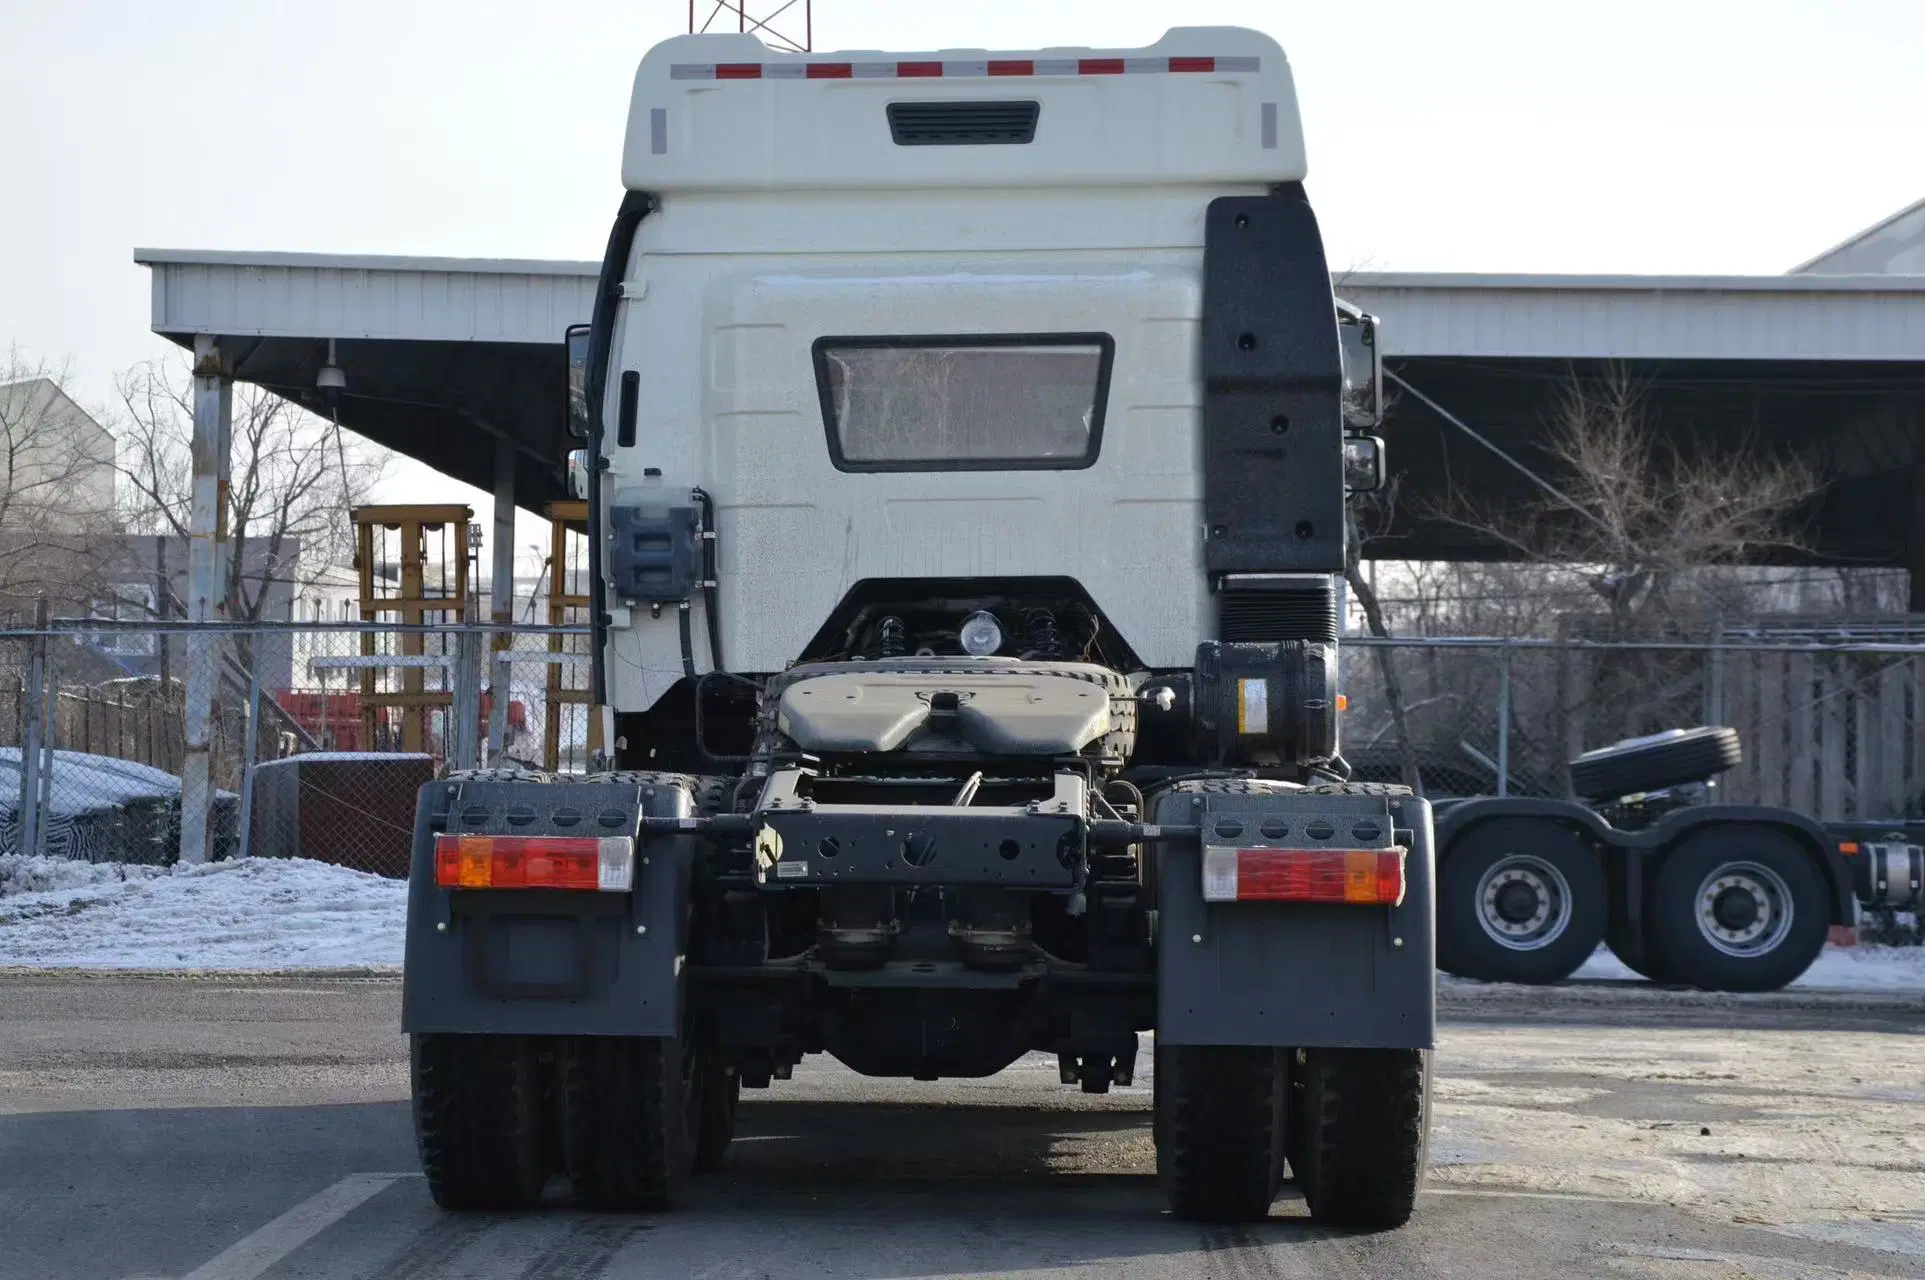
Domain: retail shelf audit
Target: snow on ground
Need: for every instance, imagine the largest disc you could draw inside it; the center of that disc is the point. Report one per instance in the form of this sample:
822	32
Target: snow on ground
291	913
1861	968
253	913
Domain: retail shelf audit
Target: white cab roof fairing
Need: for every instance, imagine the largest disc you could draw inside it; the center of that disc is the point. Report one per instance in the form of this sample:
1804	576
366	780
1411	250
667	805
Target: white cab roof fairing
1203	105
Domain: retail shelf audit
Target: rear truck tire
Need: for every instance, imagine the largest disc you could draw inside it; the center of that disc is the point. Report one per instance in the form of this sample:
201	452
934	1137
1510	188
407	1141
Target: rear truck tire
1357	789
721	1094
506	773
1362	1134
478	1120
1652	763
1629	946
631	1111
1738	907
1519	900
1219	1129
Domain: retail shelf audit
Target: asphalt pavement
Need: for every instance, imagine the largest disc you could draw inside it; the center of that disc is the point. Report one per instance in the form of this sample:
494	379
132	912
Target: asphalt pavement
239	1128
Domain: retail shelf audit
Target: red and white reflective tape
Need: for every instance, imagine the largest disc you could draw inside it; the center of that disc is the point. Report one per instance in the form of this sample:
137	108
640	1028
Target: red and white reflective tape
970	70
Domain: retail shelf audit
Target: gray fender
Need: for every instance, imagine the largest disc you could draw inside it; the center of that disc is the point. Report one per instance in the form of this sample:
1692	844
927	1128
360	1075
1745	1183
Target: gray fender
1293	974
1641	847
545	962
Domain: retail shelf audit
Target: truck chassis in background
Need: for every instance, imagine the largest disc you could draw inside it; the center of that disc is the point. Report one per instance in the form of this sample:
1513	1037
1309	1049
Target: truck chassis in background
1684	890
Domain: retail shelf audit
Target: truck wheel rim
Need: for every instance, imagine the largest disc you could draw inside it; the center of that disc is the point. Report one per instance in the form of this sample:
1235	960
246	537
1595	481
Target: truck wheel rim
1524	903
1744	909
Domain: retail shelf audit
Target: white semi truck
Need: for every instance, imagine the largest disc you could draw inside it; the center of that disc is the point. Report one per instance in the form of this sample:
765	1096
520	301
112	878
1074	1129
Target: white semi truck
967	438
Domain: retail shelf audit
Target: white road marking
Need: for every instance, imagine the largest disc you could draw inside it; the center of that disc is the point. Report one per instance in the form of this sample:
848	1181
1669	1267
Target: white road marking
1508	1193
249	1257
1883	1234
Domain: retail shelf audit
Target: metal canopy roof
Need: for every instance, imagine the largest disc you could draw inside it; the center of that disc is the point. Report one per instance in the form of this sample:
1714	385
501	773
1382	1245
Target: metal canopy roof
1891	246
443	355
1831	368
1563	317
530	302
1859	423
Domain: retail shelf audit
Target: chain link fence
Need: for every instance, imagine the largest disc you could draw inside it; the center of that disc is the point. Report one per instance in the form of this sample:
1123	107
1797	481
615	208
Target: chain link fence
1832	722
317	737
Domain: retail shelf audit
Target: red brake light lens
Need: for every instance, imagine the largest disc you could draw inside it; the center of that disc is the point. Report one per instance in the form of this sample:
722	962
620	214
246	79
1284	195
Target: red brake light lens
604	863
1359	877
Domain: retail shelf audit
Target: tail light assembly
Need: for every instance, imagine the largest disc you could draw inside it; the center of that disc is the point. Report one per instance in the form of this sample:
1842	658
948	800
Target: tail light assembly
1357	877
604	864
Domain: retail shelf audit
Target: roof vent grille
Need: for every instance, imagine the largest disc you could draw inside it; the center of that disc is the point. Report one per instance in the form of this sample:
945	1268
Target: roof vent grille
962	124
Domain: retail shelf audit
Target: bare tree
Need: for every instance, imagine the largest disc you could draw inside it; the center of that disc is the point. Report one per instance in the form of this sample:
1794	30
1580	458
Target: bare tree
1366	516
294	479
1640	534
57	516
1642	523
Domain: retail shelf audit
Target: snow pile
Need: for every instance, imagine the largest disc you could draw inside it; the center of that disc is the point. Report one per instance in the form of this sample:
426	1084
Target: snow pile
1861	968
20	875
252	913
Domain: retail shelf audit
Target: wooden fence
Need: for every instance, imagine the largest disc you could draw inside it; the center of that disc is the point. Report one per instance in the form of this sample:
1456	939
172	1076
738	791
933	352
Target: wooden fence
1837	736
141	721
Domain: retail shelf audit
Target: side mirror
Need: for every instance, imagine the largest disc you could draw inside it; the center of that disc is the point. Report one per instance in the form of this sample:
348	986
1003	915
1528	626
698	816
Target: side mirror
1363	367
579	421
1363	464
578	474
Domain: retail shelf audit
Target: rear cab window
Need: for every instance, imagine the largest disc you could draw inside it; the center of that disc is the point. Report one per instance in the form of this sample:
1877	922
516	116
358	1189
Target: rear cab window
964	403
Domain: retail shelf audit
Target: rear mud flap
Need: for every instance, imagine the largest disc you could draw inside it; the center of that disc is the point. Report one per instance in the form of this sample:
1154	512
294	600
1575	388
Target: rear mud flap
1294	974
539	962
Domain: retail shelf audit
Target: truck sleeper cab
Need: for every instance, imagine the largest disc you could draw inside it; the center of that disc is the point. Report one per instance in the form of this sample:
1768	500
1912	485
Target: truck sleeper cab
967	439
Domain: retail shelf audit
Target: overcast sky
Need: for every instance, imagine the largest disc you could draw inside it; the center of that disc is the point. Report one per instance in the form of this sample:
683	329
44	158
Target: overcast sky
1462	135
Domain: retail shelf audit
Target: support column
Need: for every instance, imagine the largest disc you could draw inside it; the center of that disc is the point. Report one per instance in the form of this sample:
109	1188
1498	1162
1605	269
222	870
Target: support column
464	720
36	731
206	585
1915	541
501	594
